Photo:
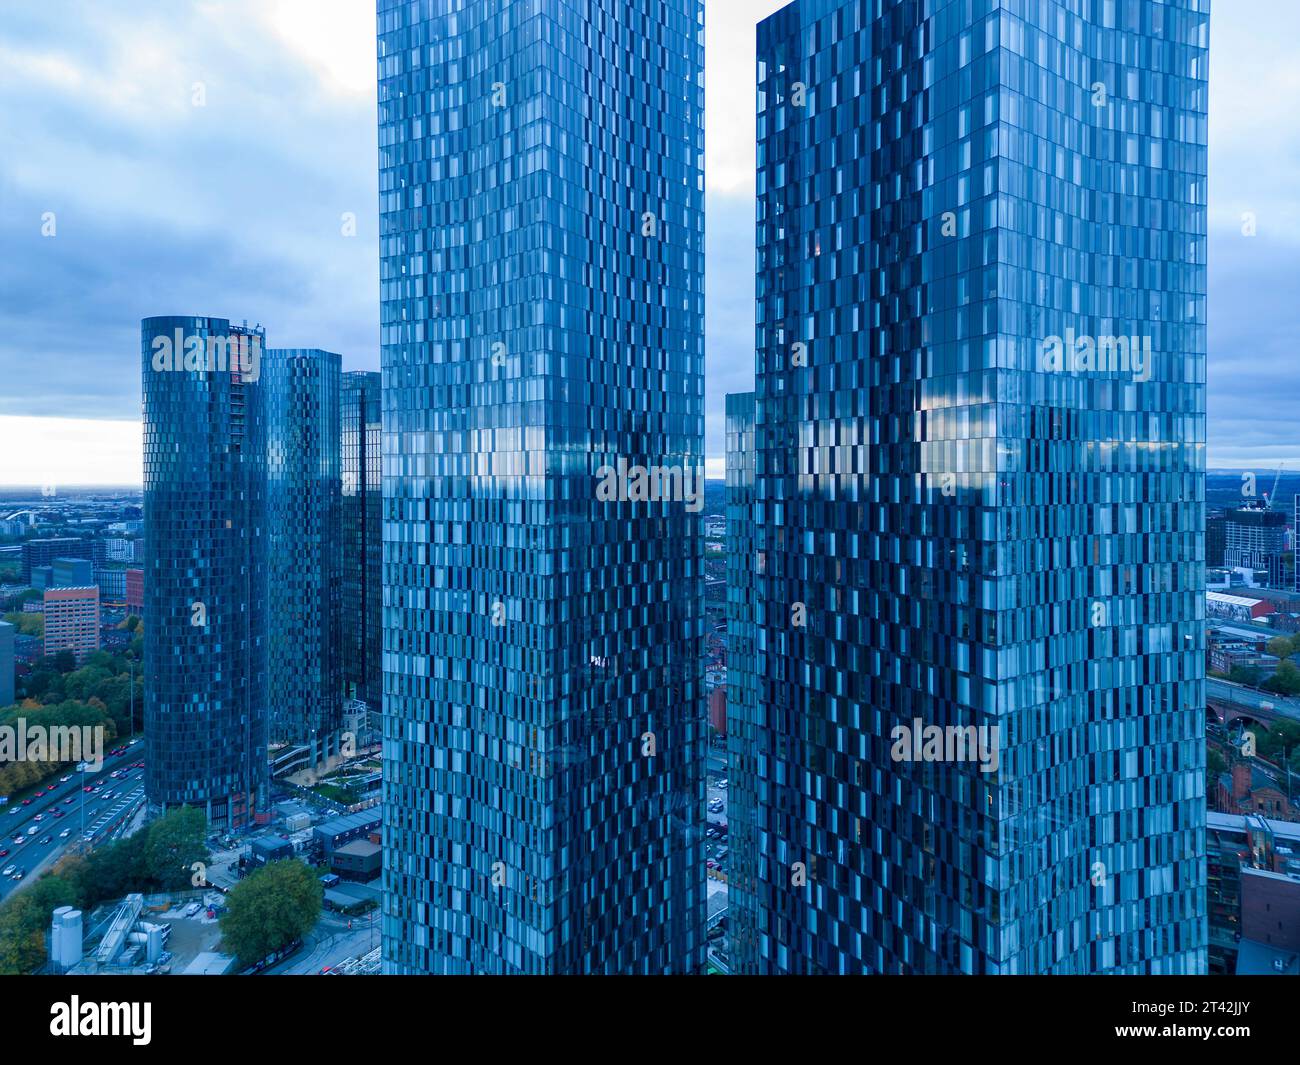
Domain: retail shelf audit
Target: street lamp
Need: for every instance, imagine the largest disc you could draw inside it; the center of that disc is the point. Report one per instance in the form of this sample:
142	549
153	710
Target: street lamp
81	768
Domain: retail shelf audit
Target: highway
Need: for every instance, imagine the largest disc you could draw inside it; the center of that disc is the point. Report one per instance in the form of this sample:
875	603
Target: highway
57	815
1226	691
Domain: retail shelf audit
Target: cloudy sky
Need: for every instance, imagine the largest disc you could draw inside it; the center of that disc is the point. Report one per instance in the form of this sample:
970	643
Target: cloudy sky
202	156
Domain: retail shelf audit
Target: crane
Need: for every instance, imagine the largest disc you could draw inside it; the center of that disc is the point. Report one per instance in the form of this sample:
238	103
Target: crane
1268	499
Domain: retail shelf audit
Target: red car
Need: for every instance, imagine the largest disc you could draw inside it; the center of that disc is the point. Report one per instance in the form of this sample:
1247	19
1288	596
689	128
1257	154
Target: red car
27	802
4	852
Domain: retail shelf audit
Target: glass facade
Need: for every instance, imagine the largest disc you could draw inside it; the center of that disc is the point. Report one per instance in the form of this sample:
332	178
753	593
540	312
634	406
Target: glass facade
205	566
542	235
742	680
979	512
304	510
363	545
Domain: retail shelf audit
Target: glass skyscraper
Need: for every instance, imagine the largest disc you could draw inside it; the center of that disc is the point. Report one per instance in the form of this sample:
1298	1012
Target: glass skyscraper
979	546
363	545
542	236
304	511
742	679
205	567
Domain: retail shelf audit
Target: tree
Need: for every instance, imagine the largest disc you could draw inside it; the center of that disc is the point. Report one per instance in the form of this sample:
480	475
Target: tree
111	871
1214	763
275	906
1247	675
23	920
174	843
27	624
1280	647
1286	680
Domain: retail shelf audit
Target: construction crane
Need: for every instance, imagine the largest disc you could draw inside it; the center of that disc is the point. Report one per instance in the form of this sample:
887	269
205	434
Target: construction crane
1268	499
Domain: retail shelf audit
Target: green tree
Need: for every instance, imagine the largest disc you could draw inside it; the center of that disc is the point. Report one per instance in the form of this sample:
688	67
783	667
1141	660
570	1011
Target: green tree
1286	680
1248	675
1280	647
275	906
174	843
111	871
23	920
27	624
1214	763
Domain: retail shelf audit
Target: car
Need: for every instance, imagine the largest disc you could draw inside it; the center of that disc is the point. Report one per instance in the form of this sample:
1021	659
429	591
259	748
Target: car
711	864
65	833
9	870
87	788
69	801
27	802
38	818
64	780
52	787
18	874
4	852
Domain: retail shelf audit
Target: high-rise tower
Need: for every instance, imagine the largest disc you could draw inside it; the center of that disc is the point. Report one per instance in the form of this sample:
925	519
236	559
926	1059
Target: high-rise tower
304	510
205	564
363	545
542	237
979	507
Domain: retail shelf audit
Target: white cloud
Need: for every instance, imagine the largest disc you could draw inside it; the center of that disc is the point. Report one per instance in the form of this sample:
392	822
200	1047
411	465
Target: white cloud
69	451
729	91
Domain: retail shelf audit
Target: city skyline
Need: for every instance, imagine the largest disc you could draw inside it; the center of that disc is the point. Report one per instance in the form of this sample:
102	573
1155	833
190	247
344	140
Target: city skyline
582	531
171	230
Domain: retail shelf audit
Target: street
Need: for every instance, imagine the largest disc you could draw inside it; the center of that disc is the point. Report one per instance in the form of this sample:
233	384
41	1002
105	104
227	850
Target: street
57	815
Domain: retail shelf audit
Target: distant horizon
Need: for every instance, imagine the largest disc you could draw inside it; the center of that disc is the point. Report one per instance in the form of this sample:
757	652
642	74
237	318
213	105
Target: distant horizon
18	491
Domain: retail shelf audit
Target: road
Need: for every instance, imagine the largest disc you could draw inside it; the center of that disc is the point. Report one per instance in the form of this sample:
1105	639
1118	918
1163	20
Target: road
57	816
1228	692
331	943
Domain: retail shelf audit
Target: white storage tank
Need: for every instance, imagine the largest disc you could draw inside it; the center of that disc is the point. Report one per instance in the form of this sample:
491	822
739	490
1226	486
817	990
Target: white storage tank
65	937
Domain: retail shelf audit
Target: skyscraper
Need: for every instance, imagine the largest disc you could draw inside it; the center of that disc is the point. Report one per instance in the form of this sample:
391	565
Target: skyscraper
980	488
743	779
40	553
541	185
363	545
6	664
1255	539
205	565
305	566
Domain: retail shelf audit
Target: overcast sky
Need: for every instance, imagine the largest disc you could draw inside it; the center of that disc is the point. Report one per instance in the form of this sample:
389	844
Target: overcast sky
235	208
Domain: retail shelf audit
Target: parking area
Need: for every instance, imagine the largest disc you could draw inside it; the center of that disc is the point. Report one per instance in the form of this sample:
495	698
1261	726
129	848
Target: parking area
716	849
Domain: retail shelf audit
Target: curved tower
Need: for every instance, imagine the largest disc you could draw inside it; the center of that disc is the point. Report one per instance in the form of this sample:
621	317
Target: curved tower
205	645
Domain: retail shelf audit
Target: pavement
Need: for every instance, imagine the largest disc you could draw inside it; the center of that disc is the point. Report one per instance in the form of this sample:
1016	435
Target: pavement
331	943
